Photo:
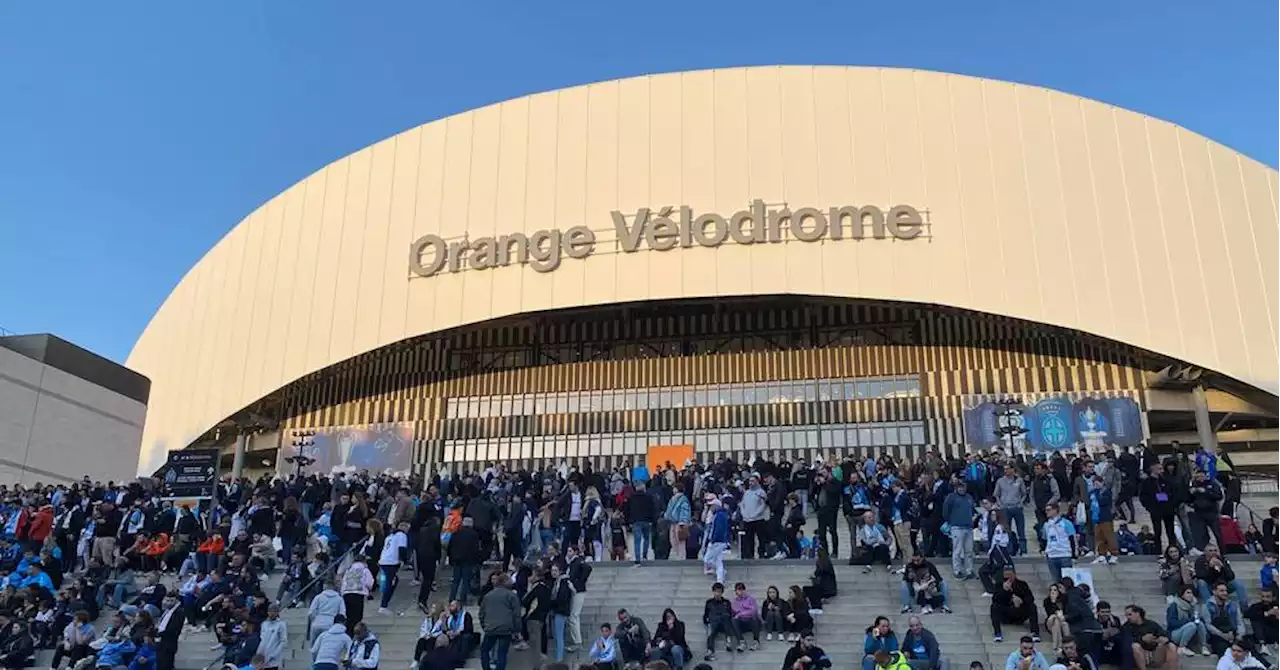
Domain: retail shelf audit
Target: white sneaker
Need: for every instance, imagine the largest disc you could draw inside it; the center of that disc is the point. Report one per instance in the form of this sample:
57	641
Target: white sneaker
1206	651
1100	560
768	637
986	595
383	611
815	611
1112	560
927	609
1183	651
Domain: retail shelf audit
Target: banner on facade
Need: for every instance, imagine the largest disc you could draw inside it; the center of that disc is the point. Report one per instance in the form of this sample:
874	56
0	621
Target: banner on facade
1053	422
386	448
659	455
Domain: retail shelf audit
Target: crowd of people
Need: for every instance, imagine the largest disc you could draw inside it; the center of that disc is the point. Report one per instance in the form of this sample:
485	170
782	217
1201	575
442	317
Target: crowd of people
72	552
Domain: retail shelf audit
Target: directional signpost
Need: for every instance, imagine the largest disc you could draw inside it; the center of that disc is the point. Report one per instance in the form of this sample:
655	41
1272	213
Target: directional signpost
191	473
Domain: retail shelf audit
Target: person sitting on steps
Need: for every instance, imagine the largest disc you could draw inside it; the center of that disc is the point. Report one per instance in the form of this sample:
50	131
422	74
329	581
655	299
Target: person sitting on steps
1013	603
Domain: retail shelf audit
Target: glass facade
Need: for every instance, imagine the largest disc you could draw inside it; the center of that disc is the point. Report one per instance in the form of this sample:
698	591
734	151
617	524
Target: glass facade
761	393
836	438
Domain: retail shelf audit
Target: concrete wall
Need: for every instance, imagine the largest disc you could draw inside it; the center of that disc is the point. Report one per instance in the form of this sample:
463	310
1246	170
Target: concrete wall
1043	206
56	427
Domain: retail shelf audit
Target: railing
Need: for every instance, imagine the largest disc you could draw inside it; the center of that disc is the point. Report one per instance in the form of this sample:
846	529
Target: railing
323	574
293	599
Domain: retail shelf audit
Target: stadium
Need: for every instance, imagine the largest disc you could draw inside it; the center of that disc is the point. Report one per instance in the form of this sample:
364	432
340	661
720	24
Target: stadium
783	262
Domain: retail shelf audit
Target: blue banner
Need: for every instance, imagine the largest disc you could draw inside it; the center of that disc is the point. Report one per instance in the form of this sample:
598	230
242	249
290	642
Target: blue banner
1056	423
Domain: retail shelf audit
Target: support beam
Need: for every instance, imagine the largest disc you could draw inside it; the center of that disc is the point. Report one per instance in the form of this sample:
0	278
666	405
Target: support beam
237	465
1204	427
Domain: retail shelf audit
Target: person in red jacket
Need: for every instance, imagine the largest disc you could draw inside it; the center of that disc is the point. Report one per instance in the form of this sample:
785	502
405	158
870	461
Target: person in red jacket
41	525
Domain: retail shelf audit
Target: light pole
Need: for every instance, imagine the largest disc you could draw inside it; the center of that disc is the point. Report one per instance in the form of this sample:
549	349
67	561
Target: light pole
1009	422
302	440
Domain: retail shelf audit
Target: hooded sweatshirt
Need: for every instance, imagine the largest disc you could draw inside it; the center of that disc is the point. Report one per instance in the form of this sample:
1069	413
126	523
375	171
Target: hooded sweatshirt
324	607
274	641
329	647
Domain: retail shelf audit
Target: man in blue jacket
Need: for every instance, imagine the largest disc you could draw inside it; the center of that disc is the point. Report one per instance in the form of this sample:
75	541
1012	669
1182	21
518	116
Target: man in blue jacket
957	514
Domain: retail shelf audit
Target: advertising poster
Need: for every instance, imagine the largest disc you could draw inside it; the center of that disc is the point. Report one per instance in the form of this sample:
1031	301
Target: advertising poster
191	473
1055	422
378	449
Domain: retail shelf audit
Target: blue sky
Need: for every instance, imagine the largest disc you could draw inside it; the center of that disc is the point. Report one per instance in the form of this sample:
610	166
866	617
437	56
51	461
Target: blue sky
134	134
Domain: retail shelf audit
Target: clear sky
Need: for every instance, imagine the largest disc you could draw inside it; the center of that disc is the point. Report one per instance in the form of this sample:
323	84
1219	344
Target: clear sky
134	134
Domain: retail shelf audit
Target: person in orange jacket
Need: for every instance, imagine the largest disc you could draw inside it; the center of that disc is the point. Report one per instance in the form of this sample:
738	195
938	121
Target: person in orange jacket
155	551
208	552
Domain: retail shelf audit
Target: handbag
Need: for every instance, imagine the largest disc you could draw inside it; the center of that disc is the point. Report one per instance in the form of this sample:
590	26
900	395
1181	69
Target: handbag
1082	517
682	532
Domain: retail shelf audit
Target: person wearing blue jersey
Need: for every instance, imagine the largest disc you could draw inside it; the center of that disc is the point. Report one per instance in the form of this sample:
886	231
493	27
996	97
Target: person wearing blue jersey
1059	534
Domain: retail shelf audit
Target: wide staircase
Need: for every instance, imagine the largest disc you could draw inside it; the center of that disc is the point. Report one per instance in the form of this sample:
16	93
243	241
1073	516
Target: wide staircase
964	635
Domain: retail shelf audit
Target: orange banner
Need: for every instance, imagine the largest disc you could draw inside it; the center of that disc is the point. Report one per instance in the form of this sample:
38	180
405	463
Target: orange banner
661	454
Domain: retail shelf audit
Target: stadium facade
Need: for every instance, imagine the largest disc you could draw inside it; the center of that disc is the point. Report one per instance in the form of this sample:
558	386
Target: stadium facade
754	261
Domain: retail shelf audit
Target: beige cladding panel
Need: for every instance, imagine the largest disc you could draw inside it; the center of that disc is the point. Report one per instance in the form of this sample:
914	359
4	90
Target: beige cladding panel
1042	206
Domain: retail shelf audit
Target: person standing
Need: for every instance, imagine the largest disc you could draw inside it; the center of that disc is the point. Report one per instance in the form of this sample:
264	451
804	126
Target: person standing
717	540
642	512
1009	494
106	525
828	499
1044	492
356	582
274	637
168	631
1157	496
365	650
465	557
561	605
957	513
579	571
513	528
325	608
330	646
754	509
428	557
394	551
1059	533
678	515
499	619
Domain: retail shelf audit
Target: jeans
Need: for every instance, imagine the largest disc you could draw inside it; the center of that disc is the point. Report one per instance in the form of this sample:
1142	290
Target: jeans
557	634
390	573
907	599
962	551
307	509
1056	565
743	626
461	586
641	532
503	645
675	655
324	666
1183	635
574	623
714	559
718	626
1018	521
